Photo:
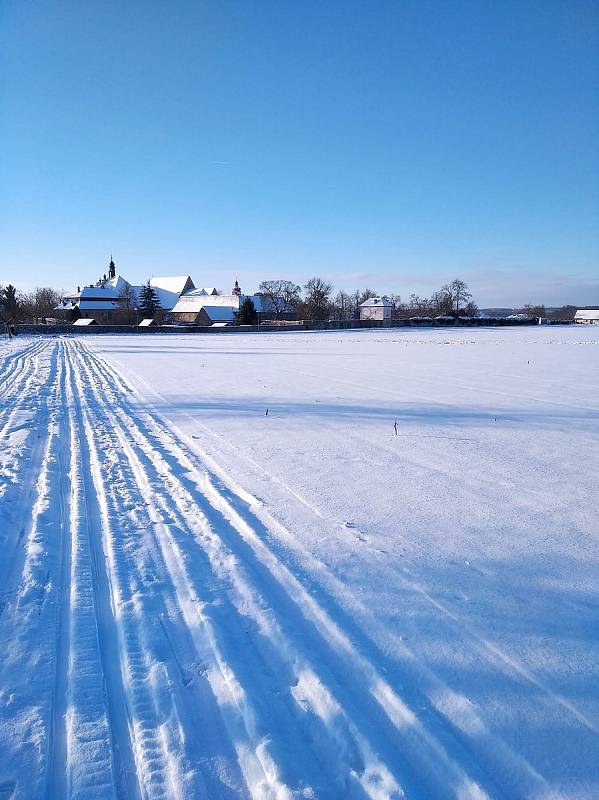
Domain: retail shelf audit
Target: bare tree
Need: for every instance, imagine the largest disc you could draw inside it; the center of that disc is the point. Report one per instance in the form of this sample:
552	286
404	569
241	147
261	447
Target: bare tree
317	302
281	295
471	309
534	311
419	306
126	298
397	305
40	304
440	303
126	304
459	294
343	305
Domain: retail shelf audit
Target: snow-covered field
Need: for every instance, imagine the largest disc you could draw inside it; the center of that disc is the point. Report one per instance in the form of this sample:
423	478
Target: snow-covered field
200	599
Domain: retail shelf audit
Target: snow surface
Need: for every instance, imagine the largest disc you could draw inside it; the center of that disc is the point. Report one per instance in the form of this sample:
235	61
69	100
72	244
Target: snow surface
203	599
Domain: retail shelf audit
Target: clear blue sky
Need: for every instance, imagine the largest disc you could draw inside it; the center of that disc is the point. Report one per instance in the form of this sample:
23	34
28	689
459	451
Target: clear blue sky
390	144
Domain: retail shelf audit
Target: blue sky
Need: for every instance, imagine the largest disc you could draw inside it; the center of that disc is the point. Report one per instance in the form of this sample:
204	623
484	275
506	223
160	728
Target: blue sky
394	145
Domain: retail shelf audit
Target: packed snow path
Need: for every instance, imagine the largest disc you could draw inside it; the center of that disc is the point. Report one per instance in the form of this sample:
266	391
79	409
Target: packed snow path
163	637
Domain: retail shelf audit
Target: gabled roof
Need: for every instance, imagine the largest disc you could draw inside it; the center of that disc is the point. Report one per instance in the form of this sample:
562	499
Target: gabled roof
117	283
220	313
198	299
169	289
377	301
177	284
587	313
84	322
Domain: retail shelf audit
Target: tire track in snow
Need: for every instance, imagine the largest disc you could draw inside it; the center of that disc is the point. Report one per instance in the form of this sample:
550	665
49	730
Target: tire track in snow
82	757
381	697
55	783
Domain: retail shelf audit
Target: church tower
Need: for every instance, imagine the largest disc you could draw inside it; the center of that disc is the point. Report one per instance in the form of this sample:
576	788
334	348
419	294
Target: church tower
111	269
236	290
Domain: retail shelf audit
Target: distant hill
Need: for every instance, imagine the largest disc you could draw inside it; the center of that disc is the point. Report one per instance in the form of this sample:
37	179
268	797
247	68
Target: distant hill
553	312
499	313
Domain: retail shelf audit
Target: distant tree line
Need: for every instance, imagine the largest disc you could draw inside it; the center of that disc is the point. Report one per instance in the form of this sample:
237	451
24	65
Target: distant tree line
35	306
317	301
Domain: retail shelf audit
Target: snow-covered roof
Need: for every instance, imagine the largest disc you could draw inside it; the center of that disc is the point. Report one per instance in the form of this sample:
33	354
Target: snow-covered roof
220	324
85	322
118	283
221	313
377	301
169	289
98	305
587	313
196	300
177	284
99	293
145	323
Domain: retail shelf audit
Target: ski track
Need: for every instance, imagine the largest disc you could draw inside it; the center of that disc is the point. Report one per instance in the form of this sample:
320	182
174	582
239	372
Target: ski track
184	648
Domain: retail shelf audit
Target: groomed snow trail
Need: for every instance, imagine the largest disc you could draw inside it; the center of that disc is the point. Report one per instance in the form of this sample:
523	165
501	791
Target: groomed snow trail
157	644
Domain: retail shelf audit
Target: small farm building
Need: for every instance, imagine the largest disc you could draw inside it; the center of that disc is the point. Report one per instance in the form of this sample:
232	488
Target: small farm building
376	308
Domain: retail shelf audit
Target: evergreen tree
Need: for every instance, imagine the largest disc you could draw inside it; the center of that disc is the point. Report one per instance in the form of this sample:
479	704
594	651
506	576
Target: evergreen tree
9	302
149	302
247	313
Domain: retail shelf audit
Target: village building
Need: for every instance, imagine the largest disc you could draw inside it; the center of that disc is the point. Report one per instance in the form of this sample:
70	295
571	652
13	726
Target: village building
587	316
376	308
112	293
113	298
200	307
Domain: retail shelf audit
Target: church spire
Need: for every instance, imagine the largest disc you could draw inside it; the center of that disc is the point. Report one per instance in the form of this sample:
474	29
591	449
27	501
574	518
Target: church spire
236	290
111	269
